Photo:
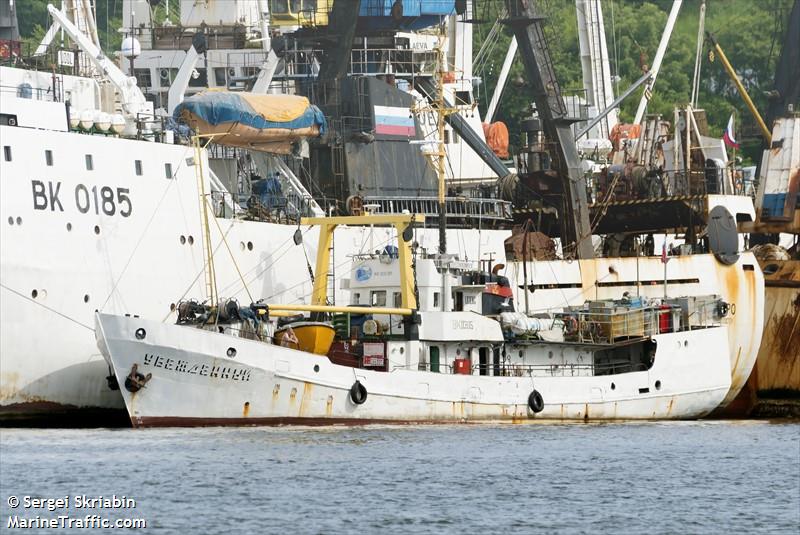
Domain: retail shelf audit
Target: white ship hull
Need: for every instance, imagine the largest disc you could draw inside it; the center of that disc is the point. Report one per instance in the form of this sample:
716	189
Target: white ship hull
194	383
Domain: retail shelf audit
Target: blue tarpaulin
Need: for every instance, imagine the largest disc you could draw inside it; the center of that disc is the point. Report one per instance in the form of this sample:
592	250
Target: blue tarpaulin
256	111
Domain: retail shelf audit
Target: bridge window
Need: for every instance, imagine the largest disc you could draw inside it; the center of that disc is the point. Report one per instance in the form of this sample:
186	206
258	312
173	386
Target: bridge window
219	77
200	81
7	152
89	163
168	170
137	165
463	98
48	158
143	78
398	299
378	298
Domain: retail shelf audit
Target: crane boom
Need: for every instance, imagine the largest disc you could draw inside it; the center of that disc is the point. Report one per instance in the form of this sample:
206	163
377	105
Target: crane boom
131	96
527	24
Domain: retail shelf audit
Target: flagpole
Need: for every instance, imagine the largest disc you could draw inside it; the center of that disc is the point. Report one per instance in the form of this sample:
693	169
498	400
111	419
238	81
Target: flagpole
734	153
664	259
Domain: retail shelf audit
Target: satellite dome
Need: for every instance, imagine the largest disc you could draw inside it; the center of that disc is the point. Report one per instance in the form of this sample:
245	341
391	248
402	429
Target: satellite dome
130	47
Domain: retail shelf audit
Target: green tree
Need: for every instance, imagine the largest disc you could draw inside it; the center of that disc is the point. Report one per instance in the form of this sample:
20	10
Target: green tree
749	32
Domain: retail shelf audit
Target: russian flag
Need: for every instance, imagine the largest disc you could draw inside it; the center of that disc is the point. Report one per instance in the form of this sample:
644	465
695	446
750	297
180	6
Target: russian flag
728	137
394	121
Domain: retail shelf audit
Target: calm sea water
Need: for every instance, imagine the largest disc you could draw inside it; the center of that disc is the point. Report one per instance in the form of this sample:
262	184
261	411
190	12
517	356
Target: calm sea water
684	477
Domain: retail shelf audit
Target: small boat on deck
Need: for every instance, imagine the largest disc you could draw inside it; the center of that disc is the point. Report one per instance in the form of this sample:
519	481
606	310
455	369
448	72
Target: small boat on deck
310	336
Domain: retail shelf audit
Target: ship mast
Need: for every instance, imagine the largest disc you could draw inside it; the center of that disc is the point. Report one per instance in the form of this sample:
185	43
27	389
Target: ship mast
208	254
441	111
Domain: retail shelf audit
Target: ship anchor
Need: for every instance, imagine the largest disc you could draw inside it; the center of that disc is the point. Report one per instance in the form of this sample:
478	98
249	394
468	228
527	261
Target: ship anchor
135	381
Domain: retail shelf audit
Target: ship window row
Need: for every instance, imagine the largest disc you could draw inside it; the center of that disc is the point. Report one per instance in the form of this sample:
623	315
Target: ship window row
48	158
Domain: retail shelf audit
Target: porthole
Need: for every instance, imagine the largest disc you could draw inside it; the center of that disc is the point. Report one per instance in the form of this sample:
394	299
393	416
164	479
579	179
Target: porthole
613	386
658	385
10	220
69	227
771	269
241	245
19	220
96	229
86	298
172	307
140	333
686	343
249	246
190	240
316	367
34	294
183	240
402	350
231	352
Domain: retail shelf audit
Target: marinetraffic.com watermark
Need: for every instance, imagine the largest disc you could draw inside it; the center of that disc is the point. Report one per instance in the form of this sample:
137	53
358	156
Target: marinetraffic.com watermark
73	512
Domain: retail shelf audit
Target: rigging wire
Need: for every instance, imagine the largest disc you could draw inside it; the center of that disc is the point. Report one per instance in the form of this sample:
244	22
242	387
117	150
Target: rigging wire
225	241
271	264
144	232
54	311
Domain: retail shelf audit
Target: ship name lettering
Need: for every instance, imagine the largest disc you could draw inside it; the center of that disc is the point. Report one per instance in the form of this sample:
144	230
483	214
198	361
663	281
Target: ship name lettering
462	324
204	370
103	199
46	197
98	199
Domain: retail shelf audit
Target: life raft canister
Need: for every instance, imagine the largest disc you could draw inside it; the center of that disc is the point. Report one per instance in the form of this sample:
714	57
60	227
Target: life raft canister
535	401
358	393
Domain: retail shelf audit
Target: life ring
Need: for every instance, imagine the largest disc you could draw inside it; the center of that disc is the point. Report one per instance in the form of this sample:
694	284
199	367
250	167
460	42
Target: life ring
358	393
535	401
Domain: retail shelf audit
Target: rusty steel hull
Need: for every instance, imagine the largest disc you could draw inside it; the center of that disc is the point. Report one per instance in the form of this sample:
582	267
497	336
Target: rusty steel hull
773	388
553	284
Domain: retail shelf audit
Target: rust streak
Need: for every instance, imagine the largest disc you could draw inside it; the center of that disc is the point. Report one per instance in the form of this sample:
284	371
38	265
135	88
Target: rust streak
306	398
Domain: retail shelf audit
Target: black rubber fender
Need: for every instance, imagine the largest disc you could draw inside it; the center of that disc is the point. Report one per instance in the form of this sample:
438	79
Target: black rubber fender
358	393
535	401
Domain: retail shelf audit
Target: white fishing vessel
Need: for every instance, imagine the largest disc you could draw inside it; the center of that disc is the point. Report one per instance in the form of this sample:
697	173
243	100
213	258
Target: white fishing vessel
459	353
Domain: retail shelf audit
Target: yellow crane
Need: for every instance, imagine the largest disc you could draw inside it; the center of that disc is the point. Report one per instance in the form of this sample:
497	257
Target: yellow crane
742	91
